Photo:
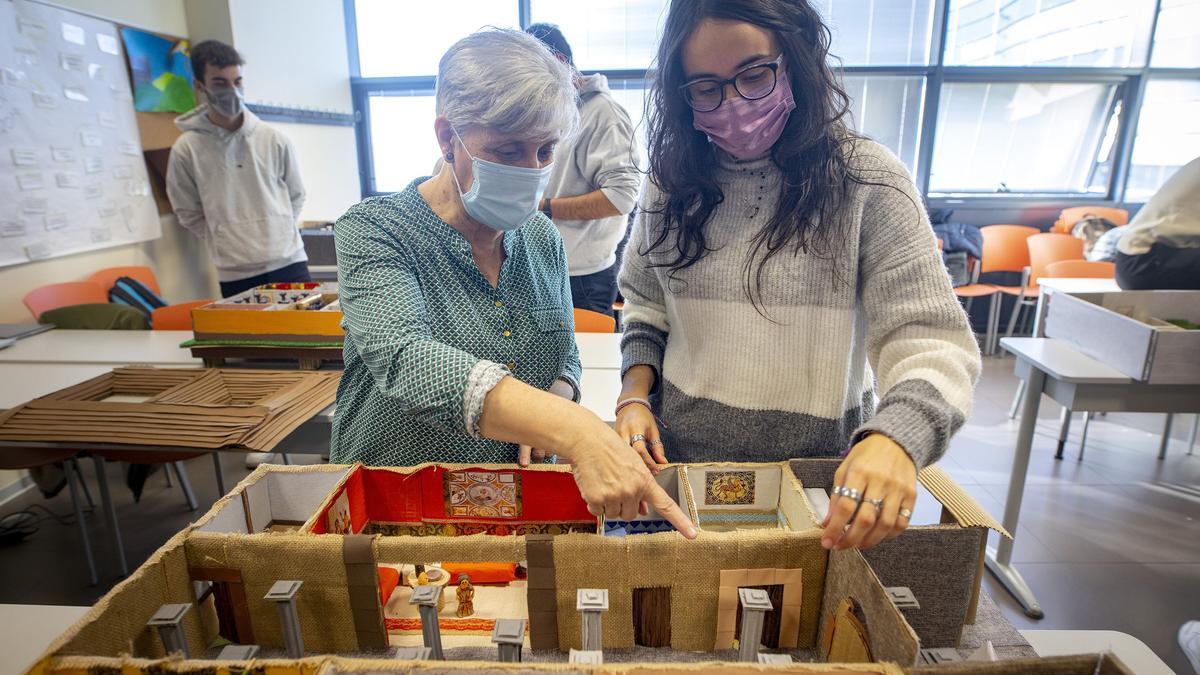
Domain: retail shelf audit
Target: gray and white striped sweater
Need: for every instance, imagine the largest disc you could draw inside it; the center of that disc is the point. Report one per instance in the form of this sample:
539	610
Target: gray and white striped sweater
802	381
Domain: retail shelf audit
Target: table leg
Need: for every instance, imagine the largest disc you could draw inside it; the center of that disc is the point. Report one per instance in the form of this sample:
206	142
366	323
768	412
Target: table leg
110	511
999	561
219	472
73	482
1166	437
1192	437
1016	404
1064	431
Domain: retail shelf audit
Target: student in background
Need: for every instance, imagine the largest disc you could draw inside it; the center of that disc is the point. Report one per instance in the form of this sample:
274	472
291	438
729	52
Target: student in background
594	185
1160	249
234	181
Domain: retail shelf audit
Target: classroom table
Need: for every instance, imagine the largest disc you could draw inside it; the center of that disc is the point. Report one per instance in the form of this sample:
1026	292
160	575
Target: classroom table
1077	382
114	347
27	630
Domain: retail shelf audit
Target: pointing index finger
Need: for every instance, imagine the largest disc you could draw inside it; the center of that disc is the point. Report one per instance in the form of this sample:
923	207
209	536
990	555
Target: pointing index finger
662	502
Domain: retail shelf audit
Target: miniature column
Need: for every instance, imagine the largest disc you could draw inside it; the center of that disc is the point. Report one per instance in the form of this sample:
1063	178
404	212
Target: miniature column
509	636
755	605
426	597
413	653
168	621
774	659
589	658
283	594
238	652
591	603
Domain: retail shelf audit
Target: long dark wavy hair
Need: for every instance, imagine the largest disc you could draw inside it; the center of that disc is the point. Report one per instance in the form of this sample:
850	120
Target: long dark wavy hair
812	153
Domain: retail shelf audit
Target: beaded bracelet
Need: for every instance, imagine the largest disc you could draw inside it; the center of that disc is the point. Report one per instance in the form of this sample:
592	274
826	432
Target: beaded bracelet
621	405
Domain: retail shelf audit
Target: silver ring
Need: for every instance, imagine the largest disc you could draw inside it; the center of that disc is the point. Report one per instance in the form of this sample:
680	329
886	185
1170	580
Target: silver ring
655	442
843	491
636	438
905	513
877	503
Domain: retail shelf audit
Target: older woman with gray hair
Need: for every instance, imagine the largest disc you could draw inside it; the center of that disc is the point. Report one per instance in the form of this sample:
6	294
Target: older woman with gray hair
460	341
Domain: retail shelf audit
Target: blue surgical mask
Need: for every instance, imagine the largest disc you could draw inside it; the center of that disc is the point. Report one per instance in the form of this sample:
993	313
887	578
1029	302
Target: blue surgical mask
502	197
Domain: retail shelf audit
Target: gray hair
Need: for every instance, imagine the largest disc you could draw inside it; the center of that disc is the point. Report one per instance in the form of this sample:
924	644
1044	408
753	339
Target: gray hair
508	81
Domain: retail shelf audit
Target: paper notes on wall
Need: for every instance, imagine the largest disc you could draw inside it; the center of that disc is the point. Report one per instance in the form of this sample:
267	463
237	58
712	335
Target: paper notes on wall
44	99
90	139
74	34
31	181
24	157
12	228
72	62
75	94
93	191
56	221
107	44
62	155
38	250
67	179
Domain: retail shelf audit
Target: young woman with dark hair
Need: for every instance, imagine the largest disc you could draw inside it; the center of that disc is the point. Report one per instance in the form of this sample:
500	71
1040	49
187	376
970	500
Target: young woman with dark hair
782	271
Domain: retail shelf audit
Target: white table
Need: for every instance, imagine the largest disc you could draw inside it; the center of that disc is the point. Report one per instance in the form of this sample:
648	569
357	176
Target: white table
1131	651
24	382
1077	382
599	350
113	347
27	630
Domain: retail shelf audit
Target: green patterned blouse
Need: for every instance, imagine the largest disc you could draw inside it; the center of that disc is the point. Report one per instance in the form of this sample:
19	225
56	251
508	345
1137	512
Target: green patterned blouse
427	337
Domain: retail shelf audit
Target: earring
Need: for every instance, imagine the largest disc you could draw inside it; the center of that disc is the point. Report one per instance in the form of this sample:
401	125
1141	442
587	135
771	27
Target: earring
449	156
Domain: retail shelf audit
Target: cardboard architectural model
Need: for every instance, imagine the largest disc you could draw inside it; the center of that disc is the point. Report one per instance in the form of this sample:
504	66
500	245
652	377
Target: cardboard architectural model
348	540
175	407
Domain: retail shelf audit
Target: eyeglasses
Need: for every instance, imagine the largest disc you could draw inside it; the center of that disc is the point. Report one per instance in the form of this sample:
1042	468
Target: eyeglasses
751	83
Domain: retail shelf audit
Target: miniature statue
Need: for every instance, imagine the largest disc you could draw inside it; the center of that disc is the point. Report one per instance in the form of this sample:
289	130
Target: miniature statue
466	597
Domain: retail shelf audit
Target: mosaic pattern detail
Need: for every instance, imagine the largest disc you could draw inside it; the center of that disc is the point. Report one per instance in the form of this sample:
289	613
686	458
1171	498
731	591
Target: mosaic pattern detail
620	528
483	494
463	529
728	488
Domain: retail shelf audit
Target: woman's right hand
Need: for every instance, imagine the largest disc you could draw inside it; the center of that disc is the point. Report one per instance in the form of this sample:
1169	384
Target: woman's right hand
616	483
636	420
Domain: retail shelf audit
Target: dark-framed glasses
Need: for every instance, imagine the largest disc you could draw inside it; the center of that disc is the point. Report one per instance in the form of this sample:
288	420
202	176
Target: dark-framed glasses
751	83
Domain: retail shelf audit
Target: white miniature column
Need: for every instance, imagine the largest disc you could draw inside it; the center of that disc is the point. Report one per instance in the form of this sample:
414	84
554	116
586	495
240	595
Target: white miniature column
509	636
238	653
591	603
755	605
774	659
426	598
283	594
589	658
168	621
413	653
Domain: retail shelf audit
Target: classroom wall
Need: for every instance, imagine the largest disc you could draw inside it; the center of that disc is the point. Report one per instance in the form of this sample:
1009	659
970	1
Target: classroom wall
295	52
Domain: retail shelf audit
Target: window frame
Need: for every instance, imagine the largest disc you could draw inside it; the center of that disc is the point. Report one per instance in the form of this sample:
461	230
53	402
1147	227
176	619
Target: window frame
1130	83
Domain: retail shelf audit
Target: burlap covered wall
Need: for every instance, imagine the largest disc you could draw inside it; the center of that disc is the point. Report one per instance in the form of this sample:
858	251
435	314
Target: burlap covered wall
692	569
890	638
263	559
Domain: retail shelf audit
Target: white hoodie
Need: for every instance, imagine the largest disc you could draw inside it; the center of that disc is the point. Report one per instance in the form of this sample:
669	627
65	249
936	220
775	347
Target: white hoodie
239	191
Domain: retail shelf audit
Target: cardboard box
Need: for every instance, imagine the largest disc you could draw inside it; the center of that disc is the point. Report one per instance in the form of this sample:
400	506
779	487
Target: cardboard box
1128	330
275	313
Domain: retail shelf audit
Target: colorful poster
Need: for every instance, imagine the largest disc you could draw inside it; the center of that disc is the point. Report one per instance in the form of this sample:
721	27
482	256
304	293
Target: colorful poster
162	72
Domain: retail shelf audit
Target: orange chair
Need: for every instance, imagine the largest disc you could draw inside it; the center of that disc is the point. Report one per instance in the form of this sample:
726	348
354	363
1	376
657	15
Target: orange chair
175	317
587	321
1080	269
107	277
1004	250
1044	248
1067	219
53	296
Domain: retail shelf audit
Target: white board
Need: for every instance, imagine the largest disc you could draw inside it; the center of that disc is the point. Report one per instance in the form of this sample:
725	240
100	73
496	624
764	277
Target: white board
72	174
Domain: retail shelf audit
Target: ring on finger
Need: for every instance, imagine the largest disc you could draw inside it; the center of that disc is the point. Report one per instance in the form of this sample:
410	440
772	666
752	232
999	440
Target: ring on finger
905	512
849	492
656	442
637	437
877	503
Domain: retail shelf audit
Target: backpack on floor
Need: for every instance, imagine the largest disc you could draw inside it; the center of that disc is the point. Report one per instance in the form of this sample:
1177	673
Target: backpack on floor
130	291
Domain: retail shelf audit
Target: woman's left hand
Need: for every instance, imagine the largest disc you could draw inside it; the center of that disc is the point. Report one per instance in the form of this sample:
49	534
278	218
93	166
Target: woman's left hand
878	469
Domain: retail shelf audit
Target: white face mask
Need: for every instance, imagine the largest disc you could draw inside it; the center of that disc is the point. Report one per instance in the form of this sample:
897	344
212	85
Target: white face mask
502	197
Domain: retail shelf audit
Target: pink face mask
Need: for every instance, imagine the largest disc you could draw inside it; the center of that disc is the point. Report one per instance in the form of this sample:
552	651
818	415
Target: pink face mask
745	128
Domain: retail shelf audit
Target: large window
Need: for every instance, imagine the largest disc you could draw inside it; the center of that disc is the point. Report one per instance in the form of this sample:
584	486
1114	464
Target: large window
1074	100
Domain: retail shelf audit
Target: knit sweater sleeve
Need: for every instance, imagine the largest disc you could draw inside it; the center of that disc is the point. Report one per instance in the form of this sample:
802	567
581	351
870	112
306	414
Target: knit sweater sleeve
644	340
919	343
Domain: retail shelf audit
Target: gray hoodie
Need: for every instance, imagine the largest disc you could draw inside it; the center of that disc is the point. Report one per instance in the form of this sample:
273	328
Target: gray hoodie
239	191
601	156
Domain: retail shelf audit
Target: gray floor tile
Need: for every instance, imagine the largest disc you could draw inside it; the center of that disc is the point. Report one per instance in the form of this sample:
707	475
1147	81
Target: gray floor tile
1146	601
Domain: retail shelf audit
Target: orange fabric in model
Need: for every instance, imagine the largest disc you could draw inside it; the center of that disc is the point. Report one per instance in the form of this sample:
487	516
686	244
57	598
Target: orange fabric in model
482	573
1049	248
1080	269
587	321
108	276
389	578
53	296
1067	219
175	317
